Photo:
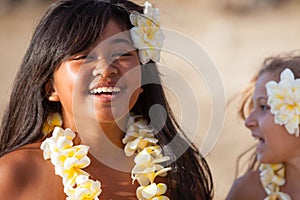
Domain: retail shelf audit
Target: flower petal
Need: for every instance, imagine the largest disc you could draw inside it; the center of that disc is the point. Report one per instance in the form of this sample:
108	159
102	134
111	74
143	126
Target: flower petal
283	98
149	191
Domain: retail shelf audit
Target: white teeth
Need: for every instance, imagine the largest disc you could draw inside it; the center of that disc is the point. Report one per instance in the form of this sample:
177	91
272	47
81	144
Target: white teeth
105	89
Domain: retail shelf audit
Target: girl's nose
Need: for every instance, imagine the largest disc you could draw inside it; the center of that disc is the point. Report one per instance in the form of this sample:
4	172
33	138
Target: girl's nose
105	69
251	121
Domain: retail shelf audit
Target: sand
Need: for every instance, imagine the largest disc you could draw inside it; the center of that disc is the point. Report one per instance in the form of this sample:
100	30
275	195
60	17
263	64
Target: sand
236	42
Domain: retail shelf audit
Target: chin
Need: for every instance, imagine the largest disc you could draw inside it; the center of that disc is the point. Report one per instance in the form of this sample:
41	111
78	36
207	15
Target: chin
267	159
109	117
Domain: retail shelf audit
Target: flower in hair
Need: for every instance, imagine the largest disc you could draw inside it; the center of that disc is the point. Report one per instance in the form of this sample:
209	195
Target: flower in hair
146	33
284	99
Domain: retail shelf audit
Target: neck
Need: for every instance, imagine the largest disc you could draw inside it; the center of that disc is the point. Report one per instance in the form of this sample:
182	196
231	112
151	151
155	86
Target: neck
114	132
292	175
105	142
93	133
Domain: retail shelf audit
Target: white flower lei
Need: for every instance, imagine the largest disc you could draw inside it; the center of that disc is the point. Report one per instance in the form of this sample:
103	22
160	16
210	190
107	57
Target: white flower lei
284	100
69	160
272	178
147	35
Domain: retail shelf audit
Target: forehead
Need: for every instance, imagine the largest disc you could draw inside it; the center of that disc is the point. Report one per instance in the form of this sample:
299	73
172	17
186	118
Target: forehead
113	36
260	86
112	29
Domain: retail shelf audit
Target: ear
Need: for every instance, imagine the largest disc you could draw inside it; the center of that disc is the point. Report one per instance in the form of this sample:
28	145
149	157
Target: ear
51	92
141	90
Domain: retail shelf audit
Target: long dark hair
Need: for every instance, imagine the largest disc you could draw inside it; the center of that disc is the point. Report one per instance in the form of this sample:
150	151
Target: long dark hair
70	27
190	177
274	65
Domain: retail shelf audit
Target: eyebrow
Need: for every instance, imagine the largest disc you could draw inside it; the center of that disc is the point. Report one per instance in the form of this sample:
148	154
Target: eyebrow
121	40
262	97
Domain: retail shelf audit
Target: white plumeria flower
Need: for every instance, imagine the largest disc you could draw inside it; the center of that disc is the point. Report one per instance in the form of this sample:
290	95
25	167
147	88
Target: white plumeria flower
272	178
151	12
272	175
153	192
147	35
86	189
147	167
146	174
284	100
151	154
60	140
68	161
278	195
138	136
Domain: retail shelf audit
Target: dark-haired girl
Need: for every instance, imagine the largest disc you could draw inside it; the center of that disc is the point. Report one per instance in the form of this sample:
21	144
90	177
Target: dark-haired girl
78	124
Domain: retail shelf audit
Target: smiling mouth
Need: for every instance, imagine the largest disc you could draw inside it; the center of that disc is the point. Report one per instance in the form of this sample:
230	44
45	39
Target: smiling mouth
105	91
261	142
259	139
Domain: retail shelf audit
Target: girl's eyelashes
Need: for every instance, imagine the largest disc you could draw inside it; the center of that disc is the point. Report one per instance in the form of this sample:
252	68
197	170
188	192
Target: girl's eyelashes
85	57
90	57
261	106
264	107
111	56
121	54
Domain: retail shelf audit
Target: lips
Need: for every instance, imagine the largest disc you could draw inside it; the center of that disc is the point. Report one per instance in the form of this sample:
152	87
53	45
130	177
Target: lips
105	90
260	143
106	94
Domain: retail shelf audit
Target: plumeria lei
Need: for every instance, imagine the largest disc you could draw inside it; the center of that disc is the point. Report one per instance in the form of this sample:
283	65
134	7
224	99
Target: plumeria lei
146	33
272	178
284	100
69	160
140	138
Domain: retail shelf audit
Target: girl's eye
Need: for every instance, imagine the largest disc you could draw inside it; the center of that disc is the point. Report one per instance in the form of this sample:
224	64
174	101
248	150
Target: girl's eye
85	57
121	54
264	107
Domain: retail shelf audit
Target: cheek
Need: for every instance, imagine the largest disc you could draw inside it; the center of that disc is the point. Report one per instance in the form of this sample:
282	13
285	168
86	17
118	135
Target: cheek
72	77
63	84
65	74
275	135
271	131
68	82
267	125
271	127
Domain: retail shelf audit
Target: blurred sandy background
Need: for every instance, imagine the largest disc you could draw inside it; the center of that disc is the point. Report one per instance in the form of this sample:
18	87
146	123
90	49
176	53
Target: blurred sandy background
237	35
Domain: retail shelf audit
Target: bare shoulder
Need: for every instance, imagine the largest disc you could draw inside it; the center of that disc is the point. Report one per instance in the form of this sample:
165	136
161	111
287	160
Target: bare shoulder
247	187
19	170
